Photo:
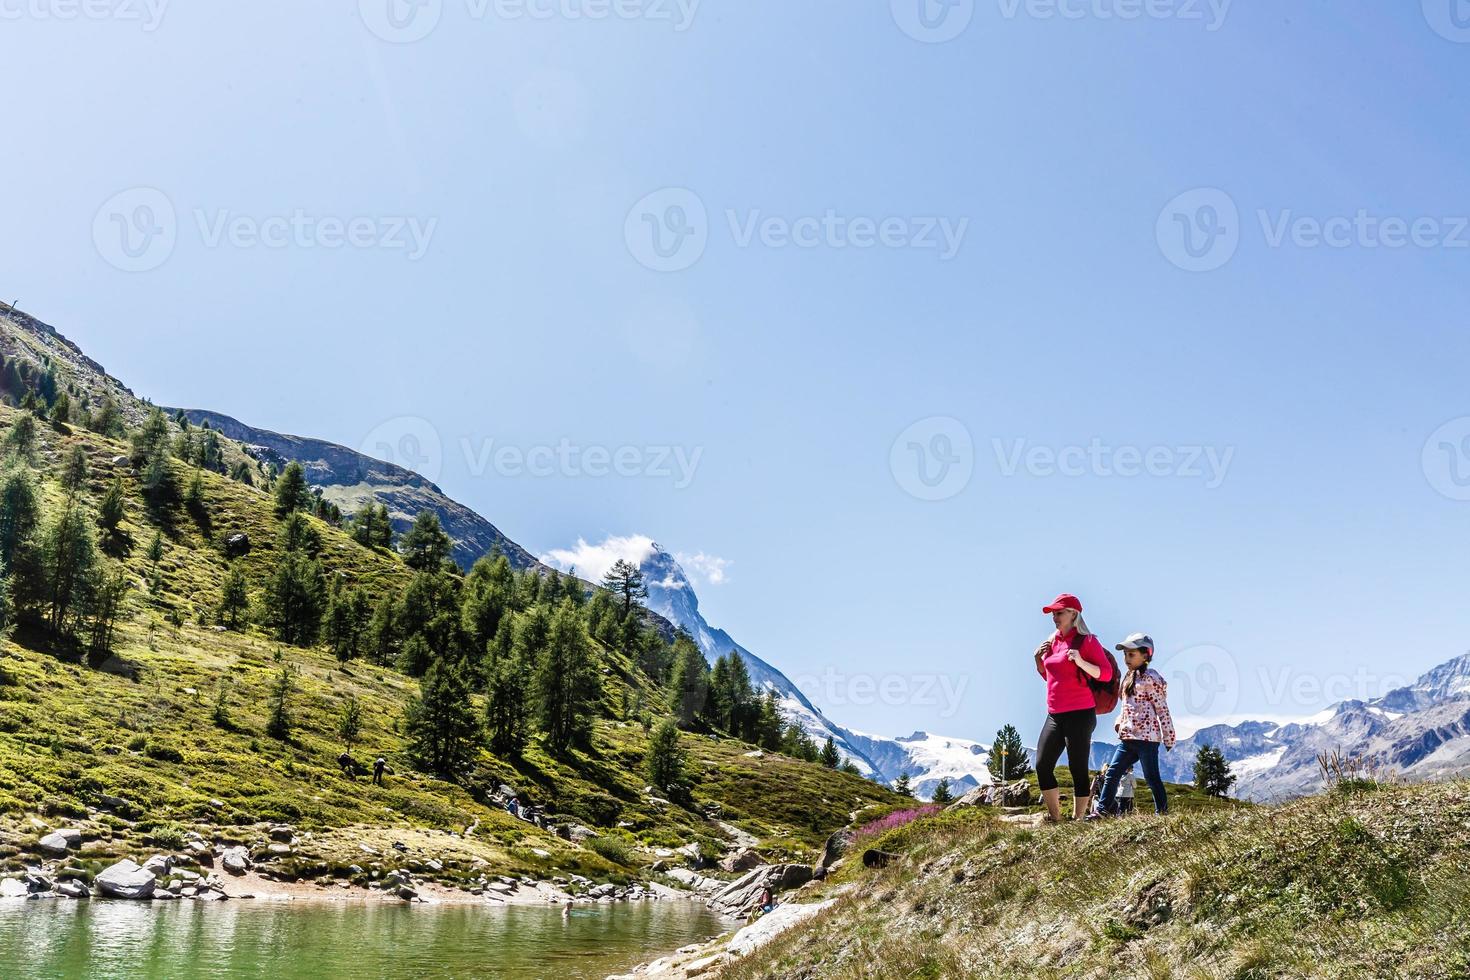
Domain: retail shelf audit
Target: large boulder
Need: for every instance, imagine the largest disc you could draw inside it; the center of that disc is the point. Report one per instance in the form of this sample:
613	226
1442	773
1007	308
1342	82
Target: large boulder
742	860
236	860
125	880
237	544
836	846
13	888
59	842
741	895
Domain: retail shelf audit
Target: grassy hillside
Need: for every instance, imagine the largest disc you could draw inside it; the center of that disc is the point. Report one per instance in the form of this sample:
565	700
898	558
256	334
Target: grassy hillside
141	726
1366	881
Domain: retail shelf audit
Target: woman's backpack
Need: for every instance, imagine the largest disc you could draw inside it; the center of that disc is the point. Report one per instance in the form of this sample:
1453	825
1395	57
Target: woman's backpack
1105	693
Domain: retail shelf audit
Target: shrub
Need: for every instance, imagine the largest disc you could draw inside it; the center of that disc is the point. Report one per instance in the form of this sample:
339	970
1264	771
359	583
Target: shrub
614	849
163	753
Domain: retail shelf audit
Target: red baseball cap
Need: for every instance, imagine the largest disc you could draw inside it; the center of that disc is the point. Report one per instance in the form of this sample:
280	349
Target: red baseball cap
1063	601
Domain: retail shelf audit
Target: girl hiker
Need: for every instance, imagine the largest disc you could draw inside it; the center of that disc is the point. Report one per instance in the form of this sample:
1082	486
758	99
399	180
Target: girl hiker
1070	661
1144	725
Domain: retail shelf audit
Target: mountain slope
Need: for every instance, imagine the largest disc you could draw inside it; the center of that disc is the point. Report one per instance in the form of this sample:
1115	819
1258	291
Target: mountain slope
351	479
1371	883
169	733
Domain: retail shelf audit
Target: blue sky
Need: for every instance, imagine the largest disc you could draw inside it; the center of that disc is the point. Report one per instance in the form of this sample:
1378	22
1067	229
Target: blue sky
1067	150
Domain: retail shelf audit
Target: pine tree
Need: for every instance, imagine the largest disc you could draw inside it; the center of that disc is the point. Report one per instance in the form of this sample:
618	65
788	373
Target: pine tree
1212	773
74	471
150	455
234	599
345	622
107	420
70	563
443	731
349	724
299	534
1008	747
292	493
108	596
506	690
689	685
293	599
194	495
61	409
901	785
567	684
830	757
417	656
666	756
942	794
20	516
768	723
625	582
279	723
21	439
155	549
741	694
112	509
381	640
426	547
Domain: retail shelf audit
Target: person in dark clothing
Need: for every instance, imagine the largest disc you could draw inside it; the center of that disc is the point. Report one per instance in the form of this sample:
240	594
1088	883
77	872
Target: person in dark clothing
379	764
1065	662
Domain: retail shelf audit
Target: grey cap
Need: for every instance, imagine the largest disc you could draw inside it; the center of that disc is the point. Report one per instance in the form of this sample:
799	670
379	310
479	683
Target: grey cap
1138	641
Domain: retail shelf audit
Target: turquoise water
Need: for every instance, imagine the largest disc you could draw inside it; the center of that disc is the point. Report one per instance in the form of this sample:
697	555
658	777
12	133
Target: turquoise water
100	940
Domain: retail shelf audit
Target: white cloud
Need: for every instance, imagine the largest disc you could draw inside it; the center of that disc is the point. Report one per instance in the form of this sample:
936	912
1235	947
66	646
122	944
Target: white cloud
592	561
711	568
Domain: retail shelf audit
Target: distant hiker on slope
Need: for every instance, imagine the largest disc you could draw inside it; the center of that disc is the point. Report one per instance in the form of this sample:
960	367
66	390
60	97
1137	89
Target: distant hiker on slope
1144	724
1079	672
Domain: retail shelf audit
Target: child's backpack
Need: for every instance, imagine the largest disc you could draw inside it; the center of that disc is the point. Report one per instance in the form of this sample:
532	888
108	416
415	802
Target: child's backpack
1105	693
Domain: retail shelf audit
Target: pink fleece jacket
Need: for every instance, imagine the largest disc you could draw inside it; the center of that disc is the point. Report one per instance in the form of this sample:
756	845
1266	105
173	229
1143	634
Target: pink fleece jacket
1066	686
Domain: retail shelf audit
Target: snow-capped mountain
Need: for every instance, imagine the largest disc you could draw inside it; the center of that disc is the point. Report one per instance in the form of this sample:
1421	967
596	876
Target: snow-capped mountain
926	758
1418	732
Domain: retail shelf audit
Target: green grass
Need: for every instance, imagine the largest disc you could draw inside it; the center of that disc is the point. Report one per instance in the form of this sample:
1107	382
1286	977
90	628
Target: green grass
1363	884
141	726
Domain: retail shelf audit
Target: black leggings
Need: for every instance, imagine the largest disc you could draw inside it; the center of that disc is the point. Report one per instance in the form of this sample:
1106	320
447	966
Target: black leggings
1071	730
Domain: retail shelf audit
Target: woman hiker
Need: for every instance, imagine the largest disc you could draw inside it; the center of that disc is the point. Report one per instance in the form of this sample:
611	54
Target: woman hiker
1142	727
1066	661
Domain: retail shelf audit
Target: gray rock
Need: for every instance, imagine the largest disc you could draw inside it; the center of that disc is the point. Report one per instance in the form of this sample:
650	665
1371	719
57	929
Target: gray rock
125	880
73	889
282	832
742	860
836	846
236	860
159	864
36	882
601	891
58	842
13	888
406	893
739	897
